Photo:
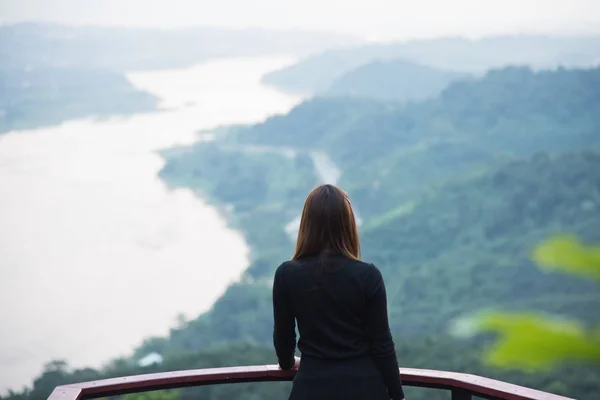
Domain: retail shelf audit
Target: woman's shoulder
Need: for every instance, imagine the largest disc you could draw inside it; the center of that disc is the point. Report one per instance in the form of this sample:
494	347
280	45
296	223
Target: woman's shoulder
283	266
366	268
362	267
356	267
286	267
289	264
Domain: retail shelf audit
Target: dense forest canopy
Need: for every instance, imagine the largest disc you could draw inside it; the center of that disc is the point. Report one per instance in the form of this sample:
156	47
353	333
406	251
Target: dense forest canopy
405	150
454	192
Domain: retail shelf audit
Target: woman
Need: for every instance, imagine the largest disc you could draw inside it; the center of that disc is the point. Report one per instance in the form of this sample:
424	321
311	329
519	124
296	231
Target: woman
340	305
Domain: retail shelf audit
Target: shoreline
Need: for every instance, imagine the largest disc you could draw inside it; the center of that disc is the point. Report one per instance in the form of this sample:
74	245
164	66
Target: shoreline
85	212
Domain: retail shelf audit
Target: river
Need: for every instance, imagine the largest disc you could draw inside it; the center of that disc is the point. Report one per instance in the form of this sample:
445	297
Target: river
95	253
326	171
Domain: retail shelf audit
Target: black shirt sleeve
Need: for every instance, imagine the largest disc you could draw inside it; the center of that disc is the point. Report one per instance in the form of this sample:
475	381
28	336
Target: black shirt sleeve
380	338
284	329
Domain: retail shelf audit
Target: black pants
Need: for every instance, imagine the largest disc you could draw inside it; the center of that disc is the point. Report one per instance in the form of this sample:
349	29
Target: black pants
355	379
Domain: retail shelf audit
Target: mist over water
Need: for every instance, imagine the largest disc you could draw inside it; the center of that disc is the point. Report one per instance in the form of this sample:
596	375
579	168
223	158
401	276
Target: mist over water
91	239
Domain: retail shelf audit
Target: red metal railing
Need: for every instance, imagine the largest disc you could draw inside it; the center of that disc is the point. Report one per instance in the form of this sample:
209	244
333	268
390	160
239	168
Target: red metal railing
462	386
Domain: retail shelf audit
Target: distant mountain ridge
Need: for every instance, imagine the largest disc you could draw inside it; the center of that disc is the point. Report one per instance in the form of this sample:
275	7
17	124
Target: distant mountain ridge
315	74
398	80
41	44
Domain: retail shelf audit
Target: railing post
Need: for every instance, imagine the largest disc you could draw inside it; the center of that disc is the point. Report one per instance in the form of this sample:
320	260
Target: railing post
460	394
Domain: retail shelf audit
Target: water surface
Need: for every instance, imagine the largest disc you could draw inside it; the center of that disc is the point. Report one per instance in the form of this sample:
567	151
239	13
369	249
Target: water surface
95	253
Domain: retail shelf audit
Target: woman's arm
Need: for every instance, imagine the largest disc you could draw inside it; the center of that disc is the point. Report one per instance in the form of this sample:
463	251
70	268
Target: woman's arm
284	329
380	338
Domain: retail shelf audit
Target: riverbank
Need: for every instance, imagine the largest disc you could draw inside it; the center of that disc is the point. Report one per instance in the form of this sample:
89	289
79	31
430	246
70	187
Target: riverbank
92	240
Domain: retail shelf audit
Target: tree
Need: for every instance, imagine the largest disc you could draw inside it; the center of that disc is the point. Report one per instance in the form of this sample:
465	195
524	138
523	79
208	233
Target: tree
532	341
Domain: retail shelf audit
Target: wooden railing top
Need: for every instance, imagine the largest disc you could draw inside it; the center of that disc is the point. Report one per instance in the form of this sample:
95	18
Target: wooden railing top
461	385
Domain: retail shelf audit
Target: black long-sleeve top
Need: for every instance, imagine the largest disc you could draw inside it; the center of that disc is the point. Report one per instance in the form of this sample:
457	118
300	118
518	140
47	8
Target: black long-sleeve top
340	305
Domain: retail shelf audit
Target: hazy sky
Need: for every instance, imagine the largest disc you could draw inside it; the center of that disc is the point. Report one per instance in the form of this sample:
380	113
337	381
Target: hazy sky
373	18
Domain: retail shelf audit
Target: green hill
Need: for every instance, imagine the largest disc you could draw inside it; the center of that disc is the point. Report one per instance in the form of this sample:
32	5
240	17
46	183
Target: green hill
315	74
462	247
398	159
398	80
467	246
455	192
390	153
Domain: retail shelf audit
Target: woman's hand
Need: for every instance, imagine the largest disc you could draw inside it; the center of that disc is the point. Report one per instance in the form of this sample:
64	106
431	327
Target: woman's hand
293	367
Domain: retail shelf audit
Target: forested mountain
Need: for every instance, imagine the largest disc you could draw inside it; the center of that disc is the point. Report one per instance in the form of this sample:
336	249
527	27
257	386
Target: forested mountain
390	152
467	246
36	97
317	73
454	192
398	80
461	247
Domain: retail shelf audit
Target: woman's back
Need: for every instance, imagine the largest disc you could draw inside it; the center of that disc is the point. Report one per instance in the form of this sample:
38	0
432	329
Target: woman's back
332	301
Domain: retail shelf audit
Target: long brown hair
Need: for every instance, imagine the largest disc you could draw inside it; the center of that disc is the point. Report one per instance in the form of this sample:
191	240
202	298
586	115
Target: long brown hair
327	224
